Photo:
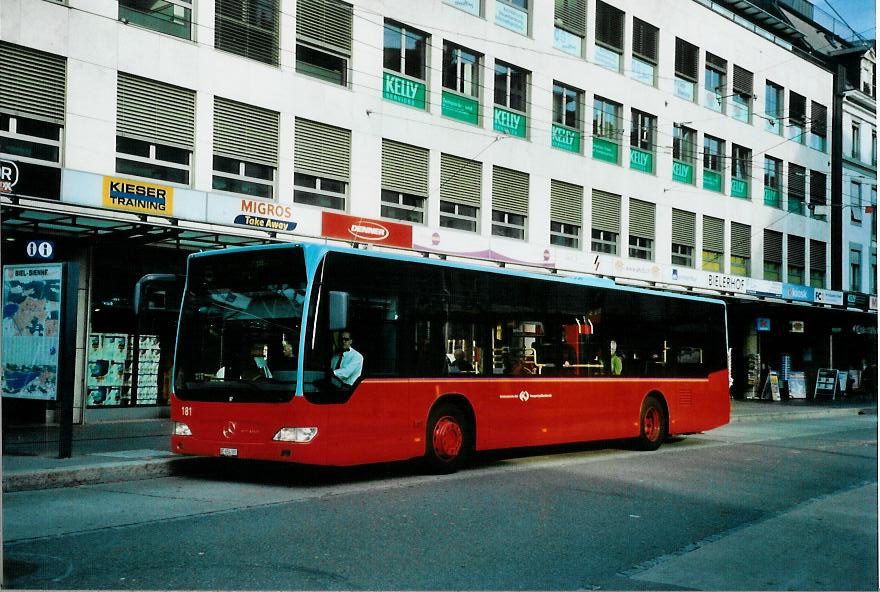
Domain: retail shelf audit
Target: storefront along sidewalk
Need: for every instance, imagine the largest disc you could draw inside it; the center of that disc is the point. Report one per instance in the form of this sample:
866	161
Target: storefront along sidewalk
139	449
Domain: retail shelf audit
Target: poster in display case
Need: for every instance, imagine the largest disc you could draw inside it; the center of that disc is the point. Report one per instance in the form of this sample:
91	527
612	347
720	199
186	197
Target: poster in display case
111	363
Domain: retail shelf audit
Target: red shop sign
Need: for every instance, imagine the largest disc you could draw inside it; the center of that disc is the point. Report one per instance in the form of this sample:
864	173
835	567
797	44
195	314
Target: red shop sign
366	230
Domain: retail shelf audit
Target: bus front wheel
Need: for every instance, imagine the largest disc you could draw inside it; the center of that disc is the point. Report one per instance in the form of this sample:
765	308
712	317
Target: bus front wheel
449	439
654	424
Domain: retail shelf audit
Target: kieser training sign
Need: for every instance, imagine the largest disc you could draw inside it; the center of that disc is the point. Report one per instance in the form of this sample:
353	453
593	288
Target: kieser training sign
352	228
138	197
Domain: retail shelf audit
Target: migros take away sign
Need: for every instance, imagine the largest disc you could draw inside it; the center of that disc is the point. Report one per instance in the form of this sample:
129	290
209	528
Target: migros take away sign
138	197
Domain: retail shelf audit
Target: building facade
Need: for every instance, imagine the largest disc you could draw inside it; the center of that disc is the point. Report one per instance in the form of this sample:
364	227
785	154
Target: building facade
675	144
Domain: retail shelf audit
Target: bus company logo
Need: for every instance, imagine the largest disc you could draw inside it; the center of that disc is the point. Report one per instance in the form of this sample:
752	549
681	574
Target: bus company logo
370	231
229	429
524	396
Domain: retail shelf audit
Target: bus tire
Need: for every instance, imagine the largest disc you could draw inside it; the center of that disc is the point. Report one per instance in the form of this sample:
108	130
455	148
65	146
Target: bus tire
653	424
449	439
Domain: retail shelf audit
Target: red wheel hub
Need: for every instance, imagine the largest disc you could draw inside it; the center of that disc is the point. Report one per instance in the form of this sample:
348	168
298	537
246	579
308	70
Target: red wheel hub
447	438
652	423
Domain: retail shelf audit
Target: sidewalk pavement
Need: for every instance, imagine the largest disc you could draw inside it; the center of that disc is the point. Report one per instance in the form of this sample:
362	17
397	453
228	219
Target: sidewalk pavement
130	450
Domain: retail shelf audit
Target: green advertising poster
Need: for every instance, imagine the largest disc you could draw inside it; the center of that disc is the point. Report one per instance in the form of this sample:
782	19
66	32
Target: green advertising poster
508	122
682	172
739	188
566	139
605	150
403	90
460	108
640	160
771	197
712	181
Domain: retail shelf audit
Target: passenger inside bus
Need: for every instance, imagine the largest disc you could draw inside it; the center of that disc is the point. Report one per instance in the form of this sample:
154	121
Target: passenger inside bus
460	363
517	364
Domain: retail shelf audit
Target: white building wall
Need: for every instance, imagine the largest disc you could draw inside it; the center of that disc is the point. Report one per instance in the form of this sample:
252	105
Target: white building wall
98	46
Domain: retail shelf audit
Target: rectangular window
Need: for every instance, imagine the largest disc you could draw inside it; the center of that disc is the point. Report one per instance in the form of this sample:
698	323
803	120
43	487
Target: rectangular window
796	259
713	164
683	153
715	83
874	147
155	129
605	222
817	264
459	216
741	171
855	269
510	202
741	106
322	164
511	84
642	219
740	249
772	255
461	70
687	58
774	109
856	152
797	117
644	52
855	202
460	192
508	225
248	28
566	213
173	17
604	241
713	244
818	194
570	19
36	148
403	206
323	39
239	176
683	237
607	130
609	36
404	181
772	182
797	188
567	117
405	50
642	141
818	126
513	15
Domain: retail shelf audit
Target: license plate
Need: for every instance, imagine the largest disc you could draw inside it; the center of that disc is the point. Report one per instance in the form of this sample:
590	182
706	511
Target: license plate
229	452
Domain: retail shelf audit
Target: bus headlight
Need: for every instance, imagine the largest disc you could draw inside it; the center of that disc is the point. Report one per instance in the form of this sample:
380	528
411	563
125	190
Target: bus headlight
295	434
181	429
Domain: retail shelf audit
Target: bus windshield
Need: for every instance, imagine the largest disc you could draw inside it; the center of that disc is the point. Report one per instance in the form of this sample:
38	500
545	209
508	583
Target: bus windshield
240	326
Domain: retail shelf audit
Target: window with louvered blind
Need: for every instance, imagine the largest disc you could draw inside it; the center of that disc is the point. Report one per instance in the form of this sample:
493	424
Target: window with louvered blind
155	129
642	216
645	41
404	181
322	164
818	188
687	60
605	211
797	188
817	263
248	28
818	126
740	249
684	237
713	234
461	183
32	107
797	109
772	246
510	202
32	83
245	148
743	81
571	15
566	202
796	259
324	38
609	26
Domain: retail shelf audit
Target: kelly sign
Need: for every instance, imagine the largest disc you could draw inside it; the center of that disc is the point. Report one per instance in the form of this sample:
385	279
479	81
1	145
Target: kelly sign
366	230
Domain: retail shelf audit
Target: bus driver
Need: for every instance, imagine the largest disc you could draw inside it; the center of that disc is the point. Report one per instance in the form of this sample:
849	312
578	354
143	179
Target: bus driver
346	363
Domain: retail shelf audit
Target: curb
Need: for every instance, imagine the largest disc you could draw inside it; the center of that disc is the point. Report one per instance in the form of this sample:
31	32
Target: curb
93	474
787	414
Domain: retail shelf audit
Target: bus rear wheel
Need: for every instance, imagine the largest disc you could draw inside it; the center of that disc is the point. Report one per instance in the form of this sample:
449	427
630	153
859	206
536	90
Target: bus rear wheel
449	439
653	424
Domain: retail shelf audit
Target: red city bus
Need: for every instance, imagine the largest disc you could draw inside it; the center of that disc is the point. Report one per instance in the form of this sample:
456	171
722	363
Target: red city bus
450	358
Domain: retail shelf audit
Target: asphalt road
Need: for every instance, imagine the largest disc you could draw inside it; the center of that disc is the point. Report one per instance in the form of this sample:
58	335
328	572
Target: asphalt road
762	505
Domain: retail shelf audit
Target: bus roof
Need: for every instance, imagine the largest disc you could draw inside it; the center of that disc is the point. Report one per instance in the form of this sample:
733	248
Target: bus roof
583	280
